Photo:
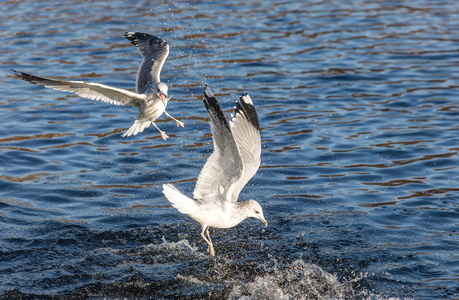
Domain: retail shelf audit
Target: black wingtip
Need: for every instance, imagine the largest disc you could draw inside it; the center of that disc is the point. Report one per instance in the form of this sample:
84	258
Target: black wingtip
213	107
246	108
133	37
208	92
136	37
23	75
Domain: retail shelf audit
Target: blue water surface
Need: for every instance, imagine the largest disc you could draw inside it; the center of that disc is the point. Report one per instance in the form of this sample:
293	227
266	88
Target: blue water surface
358	106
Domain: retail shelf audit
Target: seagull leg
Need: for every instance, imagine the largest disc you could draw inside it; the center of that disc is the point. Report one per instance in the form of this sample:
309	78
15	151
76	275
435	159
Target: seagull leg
163	134
176	121
211	245
209	241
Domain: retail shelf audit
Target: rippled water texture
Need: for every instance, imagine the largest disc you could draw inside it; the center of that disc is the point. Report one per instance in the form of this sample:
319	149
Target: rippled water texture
359	179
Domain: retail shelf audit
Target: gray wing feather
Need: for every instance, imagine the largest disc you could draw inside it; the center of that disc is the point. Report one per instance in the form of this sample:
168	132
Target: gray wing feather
154	51
89	90
246	131
224	167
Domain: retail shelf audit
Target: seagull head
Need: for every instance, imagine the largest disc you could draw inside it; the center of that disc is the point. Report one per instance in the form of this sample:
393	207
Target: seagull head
254	210
160	90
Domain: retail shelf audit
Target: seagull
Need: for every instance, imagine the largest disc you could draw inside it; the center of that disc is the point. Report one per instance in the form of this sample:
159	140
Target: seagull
150	95
235	159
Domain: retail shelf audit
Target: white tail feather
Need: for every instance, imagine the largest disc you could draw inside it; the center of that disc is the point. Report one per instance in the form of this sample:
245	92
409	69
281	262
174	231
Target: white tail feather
136	128
181	202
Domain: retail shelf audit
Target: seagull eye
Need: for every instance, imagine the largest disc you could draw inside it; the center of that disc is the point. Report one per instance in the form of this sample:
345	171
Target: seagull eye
257	212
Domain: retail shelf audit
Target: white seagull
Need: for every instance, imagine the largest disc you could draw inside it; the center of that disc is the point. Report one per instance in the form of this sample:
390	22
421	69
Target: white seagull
235	159
150	95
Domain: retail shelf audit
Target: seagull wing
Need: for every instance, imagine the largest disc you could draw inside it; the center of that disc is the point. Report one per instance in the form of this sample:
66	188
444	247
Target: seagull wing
89	90
224	166
154	51
246	131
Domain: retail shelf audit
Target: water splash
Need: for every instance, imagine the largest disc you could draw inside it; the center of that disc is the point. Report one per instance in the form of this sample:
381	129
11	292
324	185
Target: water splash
300	281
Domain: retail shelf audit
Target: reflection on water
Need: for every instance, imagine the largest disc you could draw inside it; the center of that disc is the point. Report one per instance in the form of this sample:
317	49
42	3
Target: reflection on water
357	104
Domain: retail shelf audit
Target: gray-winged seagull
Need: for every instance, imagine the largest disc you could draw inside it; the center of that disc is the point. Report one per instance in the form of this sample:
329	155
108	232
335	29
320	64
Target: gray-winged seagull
235	159
150	95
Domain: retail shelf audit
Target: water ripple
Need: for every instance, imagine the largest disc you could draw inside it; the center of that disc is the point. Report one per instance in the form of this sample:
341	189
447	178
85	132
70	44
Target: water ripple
357	103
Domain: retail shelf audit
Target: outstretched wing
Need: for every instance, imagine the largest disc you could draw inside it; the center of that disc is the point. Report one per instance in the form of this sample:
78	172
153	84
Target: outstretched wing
89	90
246	131
224	166
154	51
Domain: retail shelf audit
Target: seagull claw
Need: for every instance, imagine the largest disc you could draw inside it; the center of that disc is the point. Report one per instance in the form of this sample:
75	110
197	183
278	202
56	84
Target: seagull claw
164	135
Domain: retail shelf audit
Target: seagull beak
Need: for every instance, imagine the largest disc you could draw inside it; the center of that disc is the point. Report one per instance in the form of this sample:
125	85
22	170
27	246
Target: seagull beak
163	98
264	221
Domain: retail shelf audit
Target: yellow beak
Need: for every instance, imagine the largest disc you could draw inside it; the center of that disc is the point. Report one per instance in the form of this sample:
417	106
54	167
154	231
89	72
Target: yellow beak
264	221
163	98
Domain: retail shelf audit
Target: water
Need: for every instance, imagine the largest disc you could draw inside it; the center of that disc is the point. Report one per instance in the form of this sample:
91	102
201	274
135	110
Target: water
358	106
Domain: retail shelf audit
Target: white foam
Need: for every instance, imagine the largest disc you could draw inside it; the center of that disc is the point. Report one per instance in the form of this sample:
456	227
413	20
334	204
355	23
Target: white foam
165	246
190	279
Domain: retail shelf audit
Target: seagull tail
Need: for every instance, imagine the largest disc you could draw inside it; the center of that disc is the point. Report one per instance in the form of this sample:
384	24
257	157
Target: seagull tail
181	202
137	127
